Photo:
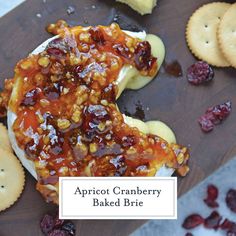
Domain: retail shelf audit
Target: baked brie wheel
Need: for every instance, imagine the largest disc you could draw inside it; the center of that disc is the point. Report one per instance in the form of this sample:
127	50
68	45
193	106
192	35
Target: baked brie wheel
62	114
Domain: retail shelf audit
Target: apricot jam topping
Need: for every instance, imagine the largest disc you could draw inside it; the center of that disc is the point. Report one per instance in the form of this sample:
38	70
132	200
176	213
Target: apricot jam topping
67	119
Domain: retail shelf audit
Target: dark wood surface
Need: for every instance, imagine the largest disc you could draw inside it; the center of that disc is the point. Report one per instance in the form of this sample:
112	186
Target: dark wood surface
168	98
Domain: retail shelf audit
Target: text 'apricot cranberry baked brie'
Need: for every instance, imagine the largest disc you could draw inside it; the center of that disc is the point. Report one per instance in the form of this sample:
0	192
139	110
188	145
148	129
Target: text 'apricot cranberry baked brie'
62	114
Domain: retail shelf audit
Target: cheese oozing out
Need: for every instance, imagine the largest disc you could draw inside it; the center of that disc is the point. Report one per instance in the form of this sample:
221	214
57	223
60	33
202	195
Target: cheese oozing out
129	78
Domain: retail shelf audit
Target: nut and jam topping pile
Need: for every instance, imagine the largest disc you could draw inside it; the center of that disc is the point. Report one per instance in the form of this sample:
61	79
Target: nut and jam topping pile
67	119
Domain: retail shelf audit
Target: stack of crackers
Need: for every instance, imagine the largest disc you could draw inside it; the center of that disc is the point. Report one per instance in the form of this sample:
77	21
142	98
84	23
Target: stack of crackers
12	176
211	34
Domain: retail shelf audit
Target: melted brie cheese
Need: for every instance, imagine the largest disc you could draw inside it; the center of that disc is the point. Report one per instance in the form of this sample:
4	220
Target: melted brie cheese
130	78
152	127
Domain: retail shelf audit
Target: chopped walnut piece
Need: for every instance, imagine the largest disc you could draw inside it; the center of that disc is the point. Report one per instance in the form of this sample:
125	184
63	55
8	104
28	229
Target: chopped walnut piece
5	96
26	64
93	147
85	37
83	148
39	78
80	100
54	78
76	117
44	61
58	27
74	60
182	156
46	140
63	170
40	118
103	57
63	123
104	102
44	102
183	170
102	126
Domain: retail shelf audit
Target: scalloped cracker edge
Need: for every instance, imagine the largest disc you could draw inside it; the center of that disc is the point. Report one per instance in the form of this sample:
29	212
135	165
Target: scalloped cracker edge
201	33
4	139
227	35
12	179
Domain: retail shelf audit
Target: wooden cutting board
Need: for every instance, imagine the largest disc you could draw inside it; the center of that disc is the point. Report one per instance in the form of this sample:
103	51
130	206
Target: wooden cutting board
167	98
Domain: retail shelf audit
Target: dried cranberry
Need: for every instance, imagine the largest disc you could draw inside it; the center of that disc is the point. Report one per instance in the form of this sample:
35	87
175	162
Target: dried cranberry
58	232
69	227
117	161
31	150
53	91
58	222
232	230
3	111
143	56
30	97
56	52
192	221
97	35
59	43
103	150
188	234
214	115
122	51
213	221
210	203
58	48
210	116
229	233
109	93
48	120
49	180
128	141
47	224
55	136
221	112
78	70
199	73
56	141
98	111
226	225
121	171
231	200
93	116
53	226
206	124
212	194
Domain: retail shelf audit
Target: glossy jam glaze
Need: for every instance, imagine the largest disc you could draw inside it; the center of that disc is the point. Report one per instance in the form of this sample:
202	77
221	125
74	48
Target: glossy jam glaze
67	119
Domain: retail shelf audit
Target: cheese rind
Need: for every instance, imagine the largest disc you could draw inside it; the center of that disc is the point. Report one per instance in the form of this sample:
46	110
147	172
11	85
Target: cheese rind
141	6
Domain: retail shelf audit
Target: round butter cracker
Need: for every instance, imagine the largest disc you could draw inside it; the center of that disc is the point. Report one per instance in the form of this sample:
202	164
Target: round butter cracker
4	139
12	179
227	35
201	33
